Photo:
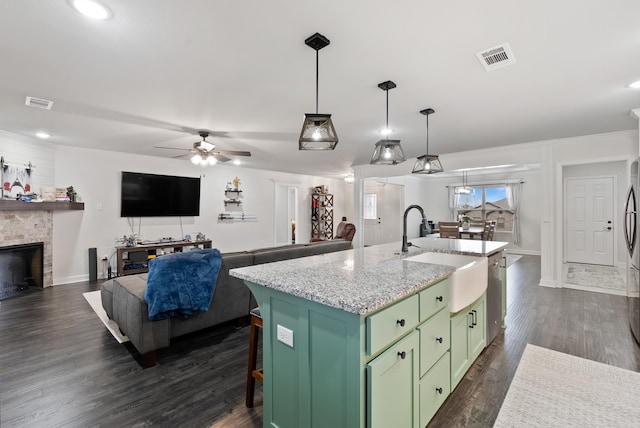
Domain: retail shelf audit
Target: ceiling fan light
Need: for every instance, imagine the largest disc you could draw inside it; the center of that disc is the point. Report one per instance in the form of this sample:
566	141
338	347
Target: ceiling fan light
388	152
317	133
427	164
195	159
211	160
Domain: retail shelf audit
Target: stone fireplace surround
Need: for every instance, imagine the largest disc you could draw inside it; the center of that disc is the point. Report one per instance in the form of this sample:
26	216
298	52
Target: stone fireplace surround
27	227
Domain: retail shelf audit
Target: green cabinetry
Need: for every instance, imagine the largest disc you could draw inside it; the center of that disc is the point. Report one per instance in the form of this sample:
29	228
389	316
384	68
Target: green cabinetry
388	368
468	338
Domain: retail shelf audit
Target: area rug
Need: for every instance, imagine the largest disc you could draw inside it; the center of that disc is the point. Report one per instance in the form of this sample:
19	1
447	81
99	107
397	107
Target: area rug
512	258
94	300
594	276
552	389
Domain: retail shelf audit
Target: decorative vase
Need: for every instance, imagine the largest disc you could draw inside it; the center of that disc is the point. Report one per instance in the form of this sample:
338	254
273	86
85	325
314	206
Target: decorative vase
465	225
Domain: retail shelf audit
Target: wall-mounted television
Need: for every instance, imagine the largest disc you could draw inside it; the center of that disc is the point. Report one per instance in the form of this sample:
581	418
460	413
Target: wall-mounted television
152	195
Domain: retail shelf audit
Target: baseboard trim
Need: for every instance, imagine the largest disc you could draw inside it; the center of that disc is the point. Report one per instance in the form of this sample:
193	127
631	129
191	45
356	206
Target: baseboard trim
594	289
548	283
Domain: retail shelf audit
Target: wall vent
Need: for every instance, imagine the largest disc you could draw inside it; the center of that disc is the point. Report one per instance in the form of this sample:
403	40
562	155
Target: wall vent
38	103
496	57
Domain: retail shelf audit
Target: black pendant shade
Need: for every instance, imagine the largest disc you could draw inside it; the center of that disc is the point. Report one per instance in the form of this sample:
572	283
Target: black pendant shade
427	164
387	152
317	131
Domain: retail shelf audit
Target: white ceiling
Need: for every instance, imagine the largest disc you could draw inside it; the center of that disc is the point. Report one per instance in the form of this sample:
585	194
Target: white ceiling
160	70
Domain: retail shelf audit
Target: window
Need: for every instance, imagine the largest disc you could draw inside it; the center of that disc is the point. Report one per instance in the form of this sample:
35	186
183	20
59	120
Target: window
486	203
370	206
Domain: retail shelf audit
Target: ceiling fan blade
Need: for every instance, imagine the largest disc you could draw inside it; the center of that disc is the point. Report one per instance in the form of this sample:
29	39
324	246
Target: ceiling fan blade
179	156
170	148
221	158
234	152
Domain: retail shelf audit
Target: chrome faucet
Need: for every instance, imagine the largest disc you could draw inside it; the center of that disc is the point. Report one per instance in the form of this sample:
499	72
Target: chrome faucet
405	244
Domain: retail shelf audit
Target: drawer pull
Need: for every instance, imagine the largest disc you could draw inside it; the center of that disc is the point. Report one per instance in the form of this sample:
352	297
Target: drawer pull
439	339
475	317
401	322
472	323
439	298
402	355
439	390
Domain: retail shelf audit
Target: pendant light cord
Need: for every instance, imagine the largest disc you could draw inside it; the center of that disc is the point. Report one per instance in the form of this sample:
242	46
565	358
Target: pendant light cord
427	134
317	78
387	125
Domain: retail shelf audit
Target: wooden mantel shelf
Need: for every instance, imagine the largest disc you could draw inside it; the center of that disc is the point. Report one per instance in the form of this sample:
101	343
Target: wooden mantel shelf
11	205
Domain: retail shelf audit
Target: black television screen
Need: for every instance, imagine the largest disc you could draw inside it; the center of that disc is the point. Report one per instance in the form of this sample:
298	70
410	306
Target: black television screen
151	195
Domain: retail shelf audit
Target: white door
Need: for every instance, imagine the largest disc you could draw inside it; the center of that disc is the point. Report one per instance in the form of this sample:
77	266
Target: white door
383	208
372	221
589	220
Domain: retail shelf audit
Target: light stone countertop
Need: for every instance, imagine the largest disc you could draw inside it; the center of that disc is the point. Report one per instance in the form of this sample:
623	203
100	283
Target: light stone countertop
363	280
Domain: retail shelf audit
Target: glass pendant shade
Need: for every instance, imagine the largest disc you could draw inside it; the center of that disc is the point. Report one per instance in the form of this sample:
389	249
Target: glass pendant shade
317	133
427	164
388	152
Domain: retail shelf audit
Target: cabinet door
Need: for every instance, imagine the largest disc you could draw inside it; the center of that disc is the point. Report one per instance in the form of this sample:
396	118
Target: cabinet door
477	330
393	381
459	346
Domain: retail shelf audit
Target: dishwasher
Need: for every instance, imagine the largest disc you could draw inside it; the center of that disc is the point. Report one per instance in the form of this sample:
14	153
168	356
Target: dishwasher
494	295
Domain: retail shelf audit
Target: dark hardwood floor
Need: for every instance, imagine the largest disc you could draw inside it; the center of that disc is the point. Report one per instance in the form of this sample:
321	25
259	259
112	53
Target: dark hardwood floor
585	324
59	366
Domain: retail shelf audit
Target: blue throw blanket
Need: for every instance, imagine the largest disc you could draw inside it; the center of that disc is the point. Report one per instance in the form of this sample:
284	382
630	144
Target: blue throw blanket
182	284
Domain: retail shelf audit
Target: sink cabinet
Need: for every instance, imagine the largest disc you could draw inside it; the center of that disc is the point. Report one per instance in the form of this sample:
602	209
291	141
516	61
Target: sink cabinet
468	338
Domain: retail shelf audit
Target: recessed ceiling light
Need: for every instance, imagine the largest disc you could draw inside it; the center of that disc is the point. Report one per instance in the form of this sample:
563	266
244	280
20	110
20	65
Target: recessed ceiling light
91	8
634	85
42	135
386	131
236	162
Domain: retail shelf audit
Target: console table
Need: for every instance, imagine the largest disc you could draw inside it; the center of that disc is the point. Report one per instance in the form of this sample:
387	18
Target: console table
137	257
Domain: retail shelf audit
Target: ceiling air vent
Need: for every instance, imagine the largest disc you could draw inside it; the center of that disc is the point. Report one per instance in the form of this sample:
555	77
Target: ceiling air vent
38	103
496	57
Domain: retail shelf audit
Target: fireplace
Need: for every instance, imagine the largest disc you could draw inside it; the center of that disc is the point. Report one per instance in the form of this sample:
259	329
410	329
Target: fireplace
21	269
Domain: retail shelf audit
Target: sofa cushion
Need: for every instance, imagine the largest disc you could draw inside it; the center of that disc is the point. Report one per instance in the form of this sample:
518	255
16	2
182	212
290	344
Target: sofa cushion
106	295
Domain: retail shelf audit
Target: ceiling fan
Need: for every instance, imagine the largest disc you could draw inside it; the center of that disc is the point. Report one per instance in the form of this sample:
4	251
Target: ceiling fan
205	153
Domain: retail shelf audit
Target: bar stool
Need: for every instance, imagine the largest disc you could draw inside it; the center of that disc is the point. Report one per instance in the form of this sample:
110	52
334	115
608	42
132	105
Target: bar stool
252	372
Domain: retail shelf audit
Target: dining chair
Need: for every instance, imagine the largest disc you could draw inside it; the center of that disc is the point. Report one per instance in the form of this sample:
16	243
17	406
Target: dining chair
489	229
449	229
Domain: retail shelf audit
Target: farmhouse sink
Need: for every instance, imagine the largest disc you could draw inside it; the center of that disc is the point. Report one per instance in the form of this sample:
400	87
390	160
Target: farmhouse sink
468	281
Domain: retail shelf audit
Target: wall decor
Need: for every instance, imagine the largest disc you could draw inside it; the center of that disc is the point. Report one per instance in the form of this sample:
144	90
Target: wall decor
16	179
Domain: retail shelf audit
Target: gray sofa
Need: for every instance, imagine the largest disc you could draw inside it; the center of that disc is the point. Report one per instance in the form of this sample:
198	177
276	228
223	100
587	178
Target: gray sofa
123	298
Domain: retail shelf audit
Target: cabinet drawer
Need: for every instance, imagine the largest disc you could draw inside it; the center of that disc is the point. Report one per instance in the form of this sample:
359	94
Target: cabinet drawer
434	389
433	299
435	340
391	323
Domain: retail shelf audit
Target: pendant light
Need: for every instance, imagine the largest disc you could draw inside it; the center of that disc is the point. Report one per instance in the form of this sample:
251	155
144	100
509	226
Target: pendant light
463	190
317	132
427	164
387	152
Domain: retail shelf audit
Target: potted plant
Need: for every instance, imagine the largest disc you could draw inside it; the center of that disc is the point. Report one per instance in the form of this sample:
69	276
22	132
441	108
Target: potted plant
465	221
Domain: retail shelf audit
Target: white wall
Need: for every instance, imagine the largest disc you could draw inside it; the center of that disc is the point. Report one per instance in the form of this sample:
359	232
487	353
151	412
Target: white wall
95	175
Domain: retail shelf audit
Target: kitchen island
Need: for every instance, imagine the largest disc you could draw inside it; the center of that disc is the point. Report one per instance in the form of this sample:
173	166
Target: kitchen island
360	338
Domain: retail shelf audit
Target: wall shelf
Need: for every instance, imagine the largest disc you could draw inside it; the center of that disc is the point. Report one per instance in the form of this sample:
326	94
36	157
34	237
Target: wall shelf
14	205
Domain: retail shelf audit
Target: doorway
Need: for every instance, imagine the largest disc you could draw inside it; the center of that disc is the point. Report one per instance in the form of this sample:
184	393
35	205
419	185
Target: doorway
589	215
286	215
383	205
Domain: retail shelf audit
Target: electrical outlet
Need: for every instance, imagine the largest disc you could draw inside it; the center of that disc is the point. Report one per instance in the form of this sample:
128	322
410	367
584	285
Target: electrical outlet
285	335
